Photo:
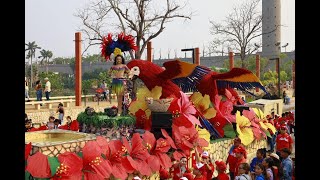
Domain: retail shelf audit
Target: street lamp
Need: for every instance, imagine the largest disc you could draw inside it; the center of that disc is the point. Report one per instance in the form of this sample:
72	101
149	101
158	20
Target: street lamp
190	49
285	47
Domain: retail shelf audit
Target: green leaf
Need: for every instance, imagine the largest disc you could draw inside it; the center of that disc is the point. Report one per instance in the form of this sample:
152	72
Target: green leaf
267	133
80	154
54	163
228	131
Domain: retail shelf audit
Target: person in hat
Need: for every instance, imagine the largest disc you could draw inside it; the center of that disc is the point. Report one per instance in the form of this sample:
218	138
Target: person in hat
243	170
47	88
207	168
283	140
221	168
286	164
136	178
241	155
276	165
198	172
231	159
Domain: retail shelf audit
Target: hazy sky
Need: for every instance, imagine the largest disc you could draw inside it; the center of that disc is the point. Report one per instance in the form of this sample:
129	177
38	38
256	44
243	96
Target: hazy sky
52	24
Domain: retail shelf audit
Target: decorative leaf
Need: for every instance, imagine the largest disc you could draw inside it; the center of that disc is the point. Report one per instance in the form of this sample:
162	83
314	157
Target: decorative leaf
229	131
54	163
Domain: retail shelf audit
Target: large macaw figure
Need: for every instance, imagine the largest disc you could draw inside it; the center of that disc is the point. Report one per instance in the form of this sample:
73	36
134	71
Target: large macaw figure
177	75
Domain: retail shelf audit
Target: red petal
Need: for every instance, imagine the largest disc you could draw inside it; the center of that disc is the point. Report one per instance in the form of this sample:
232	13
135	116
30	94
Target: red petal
149	140
177	155
165	160
129	164
202	142
162	145
73	162
38	166
100	171
103	144
119	171
138	150
27	151
143	167
168	138
90	151
153	162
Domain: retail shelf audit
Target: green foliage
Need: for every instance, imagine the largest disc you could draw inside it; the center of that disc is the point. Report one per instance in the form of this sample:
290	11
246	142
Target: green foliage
54	163
271	77
228	131
99	119
93	58
55	79
219	70
86	85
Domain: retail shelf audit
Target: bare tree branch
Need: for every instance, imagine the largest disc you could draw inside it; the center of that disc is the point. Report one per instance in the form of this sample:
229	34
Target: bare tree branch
145	19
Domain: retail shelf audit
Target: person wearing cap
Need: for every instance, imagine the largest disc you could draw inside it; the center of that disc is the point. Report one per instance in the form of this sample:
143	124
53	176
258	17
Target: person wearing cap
241	155
221	168
231	159
136	178
286	164
276	165
208	168
47	88
283	140
180	168
197	171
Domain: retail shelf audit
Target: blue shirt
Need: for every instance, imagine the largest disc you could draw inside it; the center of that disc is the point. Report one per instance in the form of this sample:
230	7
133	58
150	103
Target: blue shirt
287	169
260	177
254	162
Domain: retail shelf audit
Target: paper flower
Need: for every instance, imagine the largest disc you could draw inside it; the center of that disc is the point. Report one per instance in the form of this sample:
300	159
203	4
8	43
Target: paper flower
244	129
183	111
202	103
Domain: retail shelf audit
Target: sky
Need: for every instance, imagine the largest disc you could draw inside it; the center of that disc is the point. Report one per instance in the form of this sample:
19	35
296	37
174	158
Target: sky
52	25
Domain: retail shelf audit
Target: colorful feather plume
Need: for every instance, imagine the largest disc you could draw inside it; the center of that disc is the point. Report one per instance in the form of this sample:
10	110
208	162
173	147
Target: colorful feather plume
123	42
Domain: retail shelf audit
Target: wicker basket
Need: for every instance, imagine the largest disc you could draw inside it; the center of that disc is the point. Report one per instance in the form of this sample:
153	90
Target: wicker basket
158	105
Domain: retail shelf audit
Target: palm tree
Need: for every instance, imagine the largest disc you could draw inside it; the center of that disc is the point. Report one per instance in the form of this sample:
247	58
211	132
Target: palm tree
45	55
31	48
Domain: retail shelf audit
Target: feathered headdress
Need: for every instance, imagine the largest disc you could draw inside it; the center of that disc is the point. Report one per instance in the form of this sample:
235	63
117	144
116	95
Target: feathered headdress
122	44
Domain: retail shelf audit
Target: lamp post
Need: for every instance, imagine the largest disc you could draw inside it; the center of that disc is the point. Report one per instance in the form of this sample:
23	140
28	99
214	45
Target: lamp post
190	49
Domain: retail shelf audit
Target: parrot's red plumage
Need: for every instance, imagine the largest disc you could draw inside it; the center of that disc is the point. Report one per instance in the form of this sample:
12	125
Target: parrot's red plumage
149	73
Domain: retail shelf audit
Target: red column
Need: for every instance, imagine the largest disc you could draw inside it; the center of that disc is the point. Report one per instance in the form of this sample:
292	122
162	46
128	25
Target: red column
257	68
293	75
197	55
149	51
78	68
231	60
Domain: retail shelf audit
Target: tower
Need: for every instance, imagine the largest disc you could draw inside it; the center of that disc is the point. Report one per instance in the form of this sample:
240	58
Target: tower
271	29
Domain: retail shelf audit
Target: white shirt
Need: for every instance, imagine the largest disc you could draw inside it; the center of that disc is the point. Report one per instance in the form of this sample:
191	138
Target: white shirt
48	86
26	86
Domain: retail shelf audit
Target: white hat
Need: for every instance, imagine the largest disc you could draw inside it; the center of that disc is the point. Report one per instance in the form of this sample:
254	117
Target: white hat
136	178
274	155
183	178
205	154
46	78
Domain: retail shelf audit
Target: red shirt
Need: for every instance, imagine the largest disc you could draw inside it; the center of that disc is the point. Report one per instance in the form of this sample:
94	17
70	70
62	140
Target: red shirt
239	161
283	141
176	172
223	176
210	172
232	160
199	178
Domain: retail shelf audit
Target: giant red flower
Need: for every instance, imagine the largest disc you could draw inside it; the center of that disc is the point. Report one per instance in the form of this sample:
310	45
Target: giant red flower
157	149
188	138
70	167
120	165
183	111
95	167
139	153
219	121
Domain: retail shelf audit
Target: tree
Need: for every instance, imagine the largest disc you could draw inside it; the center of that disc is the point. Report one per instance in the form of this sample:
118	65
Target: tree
31	48
45	55
144	19
242	26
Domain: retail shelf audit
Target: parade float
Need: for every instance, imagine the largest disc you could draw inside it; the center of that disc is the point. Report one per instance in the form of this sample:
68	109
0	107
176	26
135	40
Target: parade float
162	124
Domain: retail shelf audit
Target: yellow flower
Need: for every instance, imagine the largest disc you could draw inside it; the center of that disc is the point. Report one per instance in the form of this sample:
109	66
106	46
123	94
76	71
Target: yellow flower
259	113
117	51
203	133
202	104
244	129
141	103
